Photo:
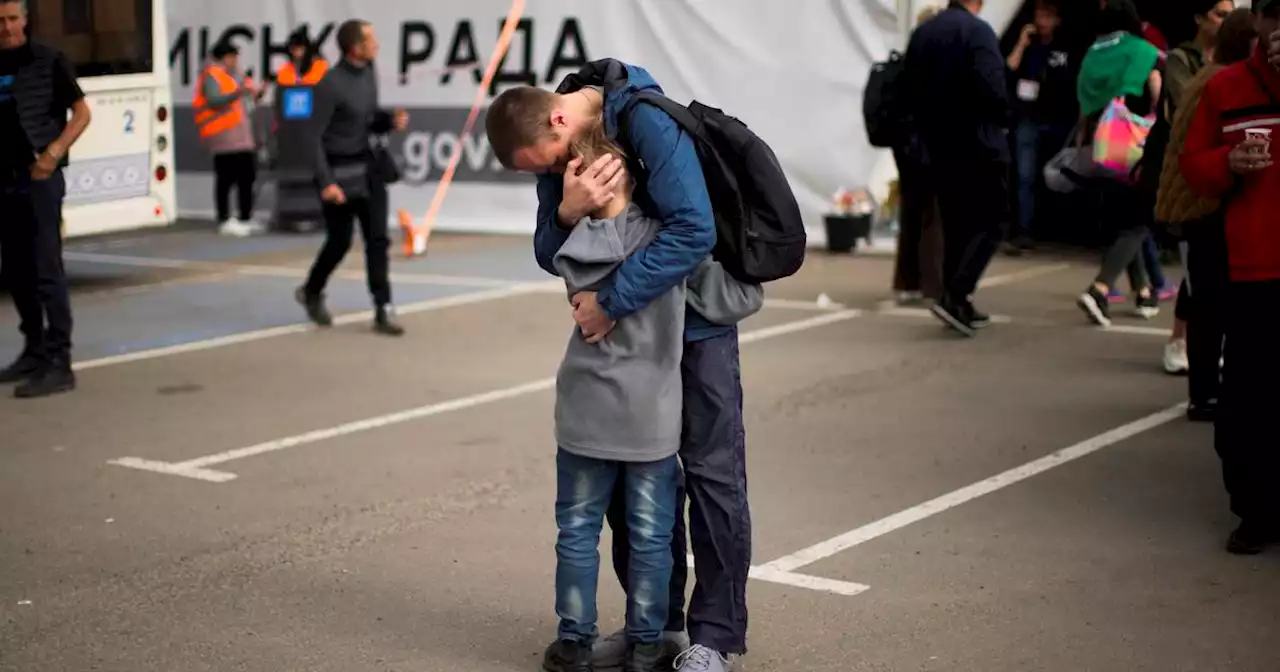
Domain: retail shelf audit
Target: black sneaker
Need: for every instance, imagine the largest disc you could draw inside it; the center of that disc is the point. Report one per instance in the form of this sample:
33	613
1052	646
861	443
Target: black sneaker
1148	307
50	380
384	321
977	318
954	316
314	305
1095	306
567	656
1202	411
645	658
21	369
1251	539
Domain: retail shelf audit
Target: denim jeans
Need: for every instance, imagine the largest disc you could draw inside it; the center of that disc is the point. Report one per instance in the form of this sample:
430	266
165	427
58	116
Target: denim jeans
584	488
1033	142
1151	262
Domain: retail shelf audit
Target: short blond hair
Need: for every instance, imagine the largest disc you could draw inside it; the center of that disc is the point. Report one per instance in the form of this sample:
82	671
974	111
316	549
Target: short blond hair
594	143
928	12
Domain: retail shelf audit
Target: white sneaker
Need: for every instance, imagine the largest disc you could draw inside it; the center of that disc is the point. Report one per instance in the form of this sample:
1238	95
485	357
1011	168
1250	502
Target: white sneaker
699	658
1175	357
253	226
235	228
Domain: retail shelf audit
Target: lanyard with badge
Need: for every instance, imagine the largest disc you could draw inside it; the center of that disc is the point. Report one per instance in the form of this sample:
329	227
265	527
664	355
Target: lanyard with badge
1029	86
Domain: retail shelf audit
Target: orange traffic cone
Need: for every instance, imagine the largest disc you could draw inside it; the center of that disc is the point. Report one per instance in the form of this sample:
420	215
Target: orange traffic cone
415	239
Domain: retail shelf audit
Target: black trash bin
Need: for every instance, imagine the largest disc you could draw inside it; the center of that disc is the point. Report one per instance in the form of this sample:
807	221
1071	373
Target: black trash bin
843	231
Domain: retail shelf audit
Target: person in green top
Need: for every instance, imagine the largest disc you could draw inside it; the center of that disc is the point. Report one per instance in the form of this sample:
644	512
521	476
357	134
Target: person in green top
1120	64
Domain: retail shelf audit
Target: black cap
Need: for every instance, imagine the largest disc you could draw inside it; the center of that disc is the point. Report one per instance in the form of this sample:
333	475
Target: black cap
1260	6
223	49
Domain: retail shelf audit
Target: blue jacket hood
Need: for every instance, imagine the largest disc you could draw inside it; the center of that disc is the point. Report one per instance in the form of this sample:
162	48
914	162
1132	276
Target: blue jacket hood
620	82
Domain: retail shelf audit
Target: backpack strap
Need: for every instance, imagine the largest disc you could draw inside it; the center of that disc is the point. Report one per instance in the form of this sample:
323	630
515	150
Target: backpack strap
676	111
679	113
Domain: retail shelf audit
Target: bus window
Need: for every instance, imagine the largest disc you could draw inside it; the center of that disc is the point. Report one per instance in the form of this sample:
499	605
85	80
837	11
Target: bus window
100	37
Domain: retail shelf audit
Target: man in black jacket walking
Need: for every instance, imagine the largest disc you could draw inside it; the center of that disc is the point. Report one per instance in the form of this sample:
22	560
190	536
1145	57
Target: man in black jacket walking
958	100
352	181
37	88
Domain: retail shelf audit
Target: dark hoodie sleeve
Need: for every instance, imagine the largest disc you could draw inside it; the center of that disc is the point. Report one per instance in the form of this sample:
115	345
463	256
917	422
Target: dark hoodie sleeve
991	71
321	116
548	237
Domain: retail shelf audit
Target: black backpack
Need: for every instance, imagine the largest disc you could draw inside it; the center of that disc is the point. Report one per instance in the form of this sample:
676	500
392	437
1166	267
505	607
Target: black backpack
882	103
760	235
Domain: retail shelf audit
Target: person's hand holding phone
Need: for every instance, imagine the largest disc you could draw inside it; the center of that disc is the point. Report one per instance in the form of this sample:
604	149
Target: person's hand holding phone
1028	32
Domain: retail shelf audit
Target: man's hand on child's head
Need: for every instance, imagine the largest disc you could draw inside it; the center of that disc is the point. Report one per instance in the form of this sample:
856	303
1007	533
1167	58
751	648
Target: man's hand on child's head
589	189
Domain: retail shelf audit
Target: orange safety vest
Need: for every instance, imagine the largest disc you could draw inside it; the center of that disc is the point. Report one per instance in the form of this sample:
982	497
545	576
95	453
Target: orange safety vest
213	121
288	75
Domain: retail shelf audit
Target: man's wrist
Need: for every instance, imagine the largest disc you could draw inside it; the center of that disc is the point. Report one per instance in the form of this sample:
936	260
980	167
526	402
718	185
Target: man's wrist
564	220
604	299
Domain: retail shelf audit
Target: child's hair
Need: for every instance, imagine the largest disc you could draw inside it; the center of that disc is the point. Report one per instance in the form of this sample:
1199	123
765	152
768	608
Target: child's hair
593	144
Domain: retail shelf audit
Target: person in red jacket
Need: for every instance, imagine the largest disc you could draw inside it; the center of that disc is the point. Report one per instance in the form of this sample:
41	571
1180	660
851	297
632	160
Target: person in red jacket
1227	155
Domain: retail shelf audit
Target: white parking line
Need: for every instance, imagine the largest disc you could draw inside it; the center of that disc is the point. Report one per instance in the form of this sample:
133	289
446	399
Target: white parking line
818	583
349	318
1019	276
933	507
890	308
1136	330
278	271
197	468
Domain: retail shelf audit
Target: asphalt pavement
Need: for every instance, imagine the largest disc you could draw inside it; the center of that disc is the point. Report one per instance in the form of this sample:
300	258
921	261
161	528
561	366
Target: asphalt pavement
230	489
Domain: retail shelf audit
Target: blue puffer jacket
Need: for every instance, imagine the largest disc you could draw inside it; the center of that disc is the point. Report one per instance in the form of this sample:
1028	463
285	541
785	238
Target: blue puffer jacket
674	192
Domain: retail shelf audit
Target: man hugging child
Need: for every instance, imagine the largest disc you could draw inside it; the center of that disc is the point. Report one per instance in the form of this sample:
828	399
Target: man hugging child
618	417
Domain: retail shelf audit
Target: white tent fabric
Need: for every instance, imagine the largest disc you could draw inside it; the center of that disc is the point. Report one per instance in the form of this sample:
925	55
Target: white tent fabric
794	72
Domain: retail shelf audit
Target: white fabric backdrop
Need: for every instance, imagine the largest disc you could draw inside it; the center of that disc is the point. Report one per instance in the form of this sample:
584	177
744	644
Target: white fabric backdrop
794	71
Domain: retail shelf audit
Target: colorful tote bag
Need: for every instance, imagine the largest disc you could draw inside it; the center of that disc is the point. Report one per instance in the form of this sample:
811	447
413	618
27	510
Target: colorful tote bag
1119	139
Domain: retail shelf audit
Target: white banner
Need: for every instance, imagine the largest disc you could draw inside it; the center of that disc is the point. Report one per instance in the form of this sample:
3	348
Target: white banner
793	71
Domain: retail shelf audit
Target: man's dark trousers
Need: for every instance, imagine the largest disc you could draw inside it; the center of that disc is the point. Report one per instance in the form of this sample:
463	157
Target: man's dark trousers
1245	433
973	199
713	454
339	220
1209	280
31	257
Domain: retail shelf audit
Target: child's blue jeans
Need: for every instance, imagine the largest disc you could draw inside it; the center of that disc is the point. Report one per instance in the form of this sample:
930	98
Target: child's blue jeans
584	488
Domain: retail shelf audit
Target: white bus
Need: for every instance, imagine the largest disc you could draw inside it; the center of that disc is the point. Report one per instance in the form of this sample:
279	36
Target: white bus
121	173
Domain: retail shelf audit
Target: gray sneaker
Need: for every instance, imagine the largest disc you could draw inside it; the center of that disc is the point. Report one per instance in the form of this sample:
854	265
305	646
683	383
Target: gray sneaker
699	658
611	651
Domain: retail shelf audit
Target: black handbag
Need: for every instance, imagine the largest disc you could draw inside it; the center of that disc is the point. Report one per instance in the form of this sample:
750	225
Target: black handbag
385	169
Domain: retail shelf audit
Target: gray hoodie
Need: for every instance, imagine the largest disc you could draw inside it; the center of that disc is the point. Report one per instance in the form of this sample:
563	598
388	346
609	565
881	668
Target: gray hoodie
621	399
